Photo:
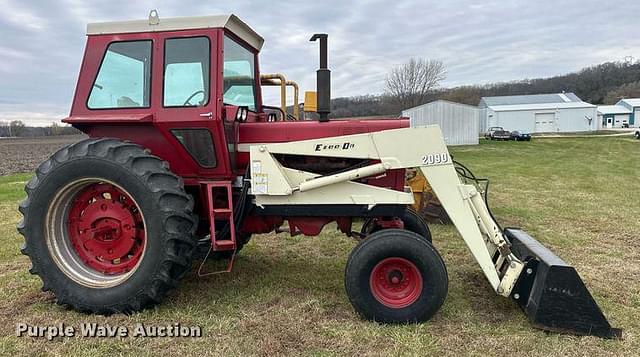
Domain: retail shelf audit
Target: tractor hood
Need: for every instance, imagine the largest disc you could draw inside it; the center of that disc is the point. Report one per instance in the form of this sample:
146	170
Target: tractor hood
275	132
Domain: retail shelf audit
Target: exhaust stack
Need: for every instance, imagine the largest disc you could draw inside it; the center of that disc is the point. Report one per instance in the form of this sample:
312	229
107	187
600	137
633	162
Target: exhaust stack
323	84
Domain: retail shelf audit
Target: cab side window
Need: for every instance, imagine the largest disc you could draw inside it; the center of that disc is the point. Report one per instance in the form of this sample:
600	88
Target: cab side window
239	75
186	72
124	77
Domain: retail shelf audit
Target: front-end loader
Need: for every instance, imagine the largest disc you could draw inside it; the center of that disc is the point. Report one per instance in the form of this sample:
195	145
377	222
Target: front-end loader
181	152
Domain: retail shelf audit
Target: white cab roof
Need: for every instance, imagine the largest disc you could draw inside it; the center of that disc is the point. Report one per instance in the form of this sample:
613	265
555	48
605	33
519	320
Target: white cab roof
230	22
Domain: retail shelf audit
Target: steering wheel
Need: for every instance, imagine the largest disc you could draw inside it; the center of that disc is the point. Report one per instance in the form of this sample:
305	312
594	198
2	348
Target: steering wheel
188	101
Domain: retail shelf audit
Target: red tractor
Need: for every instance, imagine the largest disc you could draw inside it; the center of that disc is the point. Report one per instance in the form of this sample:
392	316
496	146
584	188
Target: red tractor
184	157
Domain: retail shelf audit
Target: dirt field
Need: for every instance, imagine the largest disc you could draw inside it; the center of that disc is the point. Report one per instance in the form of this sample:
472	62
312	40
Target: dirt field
24	154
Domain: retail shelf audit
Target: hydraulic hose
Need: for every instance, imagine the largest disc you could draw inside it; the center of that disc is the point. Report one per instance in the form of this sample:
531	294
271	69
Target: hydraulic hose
467	174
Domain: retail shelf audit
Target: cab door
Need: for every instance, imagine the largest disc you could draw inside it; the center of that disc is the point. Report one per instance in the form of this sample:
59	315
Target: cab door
189	112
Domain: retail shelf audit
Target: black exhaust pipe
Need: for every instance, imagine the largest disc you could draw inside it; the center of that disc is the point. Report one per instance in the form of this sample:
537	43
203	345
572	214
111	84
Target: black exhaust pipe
323	84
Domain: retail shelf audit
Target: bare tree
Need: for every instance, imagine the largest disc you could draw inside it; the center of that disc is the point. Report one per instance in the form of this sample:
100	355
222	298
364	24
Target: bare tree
16	127
629	90
5	129
410	84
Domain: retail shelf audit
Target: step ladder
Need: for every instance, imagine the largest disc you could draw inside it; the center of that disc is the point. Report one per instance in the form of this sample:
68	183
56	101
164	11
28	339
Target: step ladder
220	213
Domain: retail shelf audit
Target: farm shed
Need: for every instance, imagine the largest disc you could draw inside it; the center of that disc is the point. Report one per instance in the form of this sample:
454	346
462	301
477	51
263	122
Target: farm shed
614	116
538	113
633	104
459	122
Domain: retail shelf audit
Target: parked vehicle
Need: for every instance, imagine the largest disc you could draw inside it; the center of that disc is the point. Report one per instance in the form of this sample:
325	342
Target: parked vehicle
492	130
520	136
497	133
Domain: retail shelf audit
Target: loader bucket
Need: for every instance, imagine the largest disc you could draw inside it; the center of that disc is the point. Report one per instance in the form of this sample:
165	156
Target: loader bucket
552	294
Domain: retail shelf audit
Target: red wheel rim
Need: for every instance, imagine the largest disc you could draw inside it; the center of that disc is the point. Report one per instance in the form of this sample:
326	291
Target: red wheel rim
106	229
396	282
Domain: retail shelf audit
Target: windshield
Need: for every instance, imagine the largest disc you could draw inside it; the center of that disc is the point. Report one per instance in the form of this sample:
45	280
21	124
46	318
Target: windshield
239	75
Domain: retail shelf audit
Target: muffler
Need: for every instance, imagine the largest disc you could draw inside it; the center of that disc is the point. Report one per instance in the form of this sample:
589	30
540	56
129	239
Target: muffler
551	292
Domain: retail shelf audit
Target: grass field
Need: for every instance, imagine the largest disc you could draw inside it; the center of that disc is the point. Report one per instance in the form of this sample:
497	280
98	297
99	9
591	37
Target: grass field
577	196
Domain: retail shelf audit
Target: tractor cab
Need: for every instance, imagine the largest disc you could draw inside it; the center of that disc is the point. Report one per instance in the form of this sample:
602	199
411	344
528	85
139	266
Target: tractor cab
190	90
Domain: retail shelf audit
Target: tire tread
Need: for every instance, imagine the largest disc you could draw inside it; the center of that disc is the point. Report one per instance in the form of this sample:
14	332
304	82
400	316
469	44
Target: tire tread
165	186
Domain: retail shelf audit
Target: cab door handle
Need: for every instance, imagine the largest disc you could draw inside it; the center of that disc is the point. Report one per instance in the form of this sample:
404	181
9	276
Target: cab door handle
207	115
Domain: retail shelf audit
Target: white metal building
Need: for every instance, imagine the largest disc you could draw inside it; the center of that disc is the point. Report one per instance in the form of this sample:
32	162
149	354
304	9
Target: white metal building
613	116
459	122
633	104
539	113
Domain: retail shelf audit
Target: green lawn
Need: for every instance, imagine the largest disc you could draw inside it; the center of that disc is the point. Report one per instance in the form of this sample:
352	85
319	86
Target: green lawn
577	196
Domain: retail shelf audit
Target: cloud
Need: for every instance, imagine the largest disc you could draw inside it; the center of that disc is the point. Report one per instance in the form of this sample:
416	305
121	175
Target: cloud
41	42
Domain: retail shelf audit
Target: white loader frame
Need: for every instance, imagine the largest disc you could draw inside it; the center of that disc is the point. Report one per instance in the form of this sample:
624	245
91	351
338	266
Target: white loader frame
423	148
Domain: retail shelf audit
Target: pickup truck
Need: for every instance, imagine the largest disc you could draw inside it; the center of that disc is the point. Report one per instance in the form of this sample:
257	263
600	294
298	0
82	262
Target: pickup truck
497	133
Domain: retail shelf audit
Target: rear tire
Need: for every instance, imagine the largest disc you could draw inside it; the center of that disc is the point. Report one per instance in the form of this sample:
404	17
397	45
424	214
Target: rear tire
396	276
73	259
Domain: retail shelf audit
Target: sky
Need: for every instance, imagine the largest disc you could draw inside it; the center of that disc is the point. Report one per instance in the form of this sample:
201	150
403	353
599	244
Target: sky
42	42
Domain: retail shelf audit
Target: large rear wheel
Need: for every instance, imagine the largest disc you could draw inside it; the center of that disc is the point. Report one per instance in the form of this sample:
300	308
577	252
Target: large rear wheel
396	276
107	226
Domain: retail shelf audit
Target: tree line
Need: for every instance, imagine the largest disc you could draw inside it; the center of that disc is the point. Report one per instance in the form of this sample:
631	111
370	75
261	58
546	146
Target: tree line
416	82
17	128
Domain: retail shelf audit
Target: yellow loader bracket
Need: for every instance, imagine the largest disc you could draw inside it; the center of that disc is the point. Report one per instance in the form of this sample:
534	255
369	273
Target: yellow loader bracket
426	202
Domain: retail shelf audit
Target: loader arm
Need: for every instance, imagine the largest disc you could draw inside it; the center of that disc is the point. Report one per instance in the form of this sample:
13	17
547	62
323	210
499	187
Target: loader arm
548	290
424	148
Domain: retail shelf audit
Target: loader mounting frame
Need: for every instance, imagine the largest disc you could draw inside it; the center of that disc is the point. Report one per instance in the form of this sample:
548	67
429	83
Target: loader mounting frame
550	292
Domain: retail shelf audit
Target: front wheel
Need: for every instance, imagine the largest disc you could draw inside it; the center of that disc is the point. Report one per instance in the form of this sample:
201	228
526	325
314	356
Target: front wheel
396	276
107	226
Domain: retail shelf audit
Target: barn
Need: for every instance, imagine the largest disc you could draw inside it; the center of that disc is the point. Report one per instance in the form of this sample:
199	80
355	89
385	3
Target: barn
538	113
633	104
614	116
459	122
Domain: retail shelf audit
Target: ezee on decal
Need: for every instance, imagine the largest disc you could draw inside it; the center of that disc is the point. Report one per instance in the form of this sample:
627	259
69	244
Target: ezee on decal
344	146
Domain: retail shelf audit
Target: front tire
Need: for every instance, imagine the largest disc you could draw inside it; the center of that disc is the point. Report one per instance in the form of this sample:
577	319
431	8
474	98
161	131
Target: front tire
107	226
396	276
